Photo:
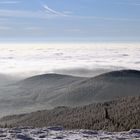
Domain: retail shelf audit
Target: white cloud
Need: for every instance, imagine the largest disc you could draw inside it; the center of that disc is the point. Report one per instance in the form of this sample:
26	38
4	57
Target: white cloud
68	12
74	30
33	28
31	14
104	18
3	20
128	3
48	13
16	13
10	2
52	11
5	28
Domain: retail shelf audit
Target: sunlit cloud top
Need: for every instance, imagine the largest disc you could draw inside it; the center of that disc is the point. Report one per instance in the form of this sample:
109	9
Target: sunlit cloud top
32	59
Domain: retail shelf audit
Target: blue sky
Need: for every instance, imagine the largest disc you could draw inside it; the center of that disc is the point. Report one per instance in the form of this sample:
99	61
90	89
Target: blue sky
69	20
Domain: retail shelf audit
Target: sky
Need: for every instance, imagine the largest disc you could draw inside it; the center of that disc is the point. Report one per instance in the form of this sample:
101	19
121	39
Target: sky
69	20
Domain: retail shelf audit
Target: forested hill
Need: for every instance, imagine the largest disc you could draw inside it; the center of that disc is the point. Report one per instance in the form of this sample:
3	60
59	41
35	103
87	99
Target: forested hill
118	115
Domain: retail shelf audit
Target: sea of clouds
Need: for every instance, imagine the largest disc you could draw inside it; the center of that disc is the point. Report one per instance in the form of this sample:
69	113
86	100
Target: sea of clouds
78	59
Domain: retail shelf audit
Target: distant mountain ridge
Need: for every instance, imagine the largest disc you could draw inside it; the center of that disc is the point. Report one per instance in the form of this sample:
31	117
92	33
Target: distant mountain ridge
121	74
52	90
49	79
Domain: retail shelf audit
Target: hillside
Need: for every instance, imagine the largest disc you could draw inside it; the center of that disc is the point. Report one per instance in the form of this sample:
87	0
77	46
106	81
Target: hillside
105	87
33	93
51	90
121	114
6	79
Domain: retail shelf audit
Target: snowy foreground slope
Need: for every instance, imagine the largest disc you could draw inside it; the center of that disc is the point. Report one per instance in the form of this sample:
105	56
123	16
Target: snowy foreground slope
56	133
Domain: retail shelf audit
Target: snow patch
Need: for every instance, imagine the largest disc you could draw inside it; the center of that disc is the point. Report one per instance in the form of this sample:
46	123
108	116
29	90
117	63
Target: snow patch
58	133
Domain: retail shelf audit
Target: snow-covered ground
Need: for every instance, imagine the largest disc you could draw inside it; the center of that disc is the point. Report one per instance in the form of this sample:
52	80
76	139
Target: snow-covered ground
56	133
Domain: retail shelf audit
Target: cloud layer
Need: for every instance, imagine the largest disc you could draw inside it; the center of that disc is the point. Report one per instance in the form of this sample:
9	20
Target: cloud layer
77	59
